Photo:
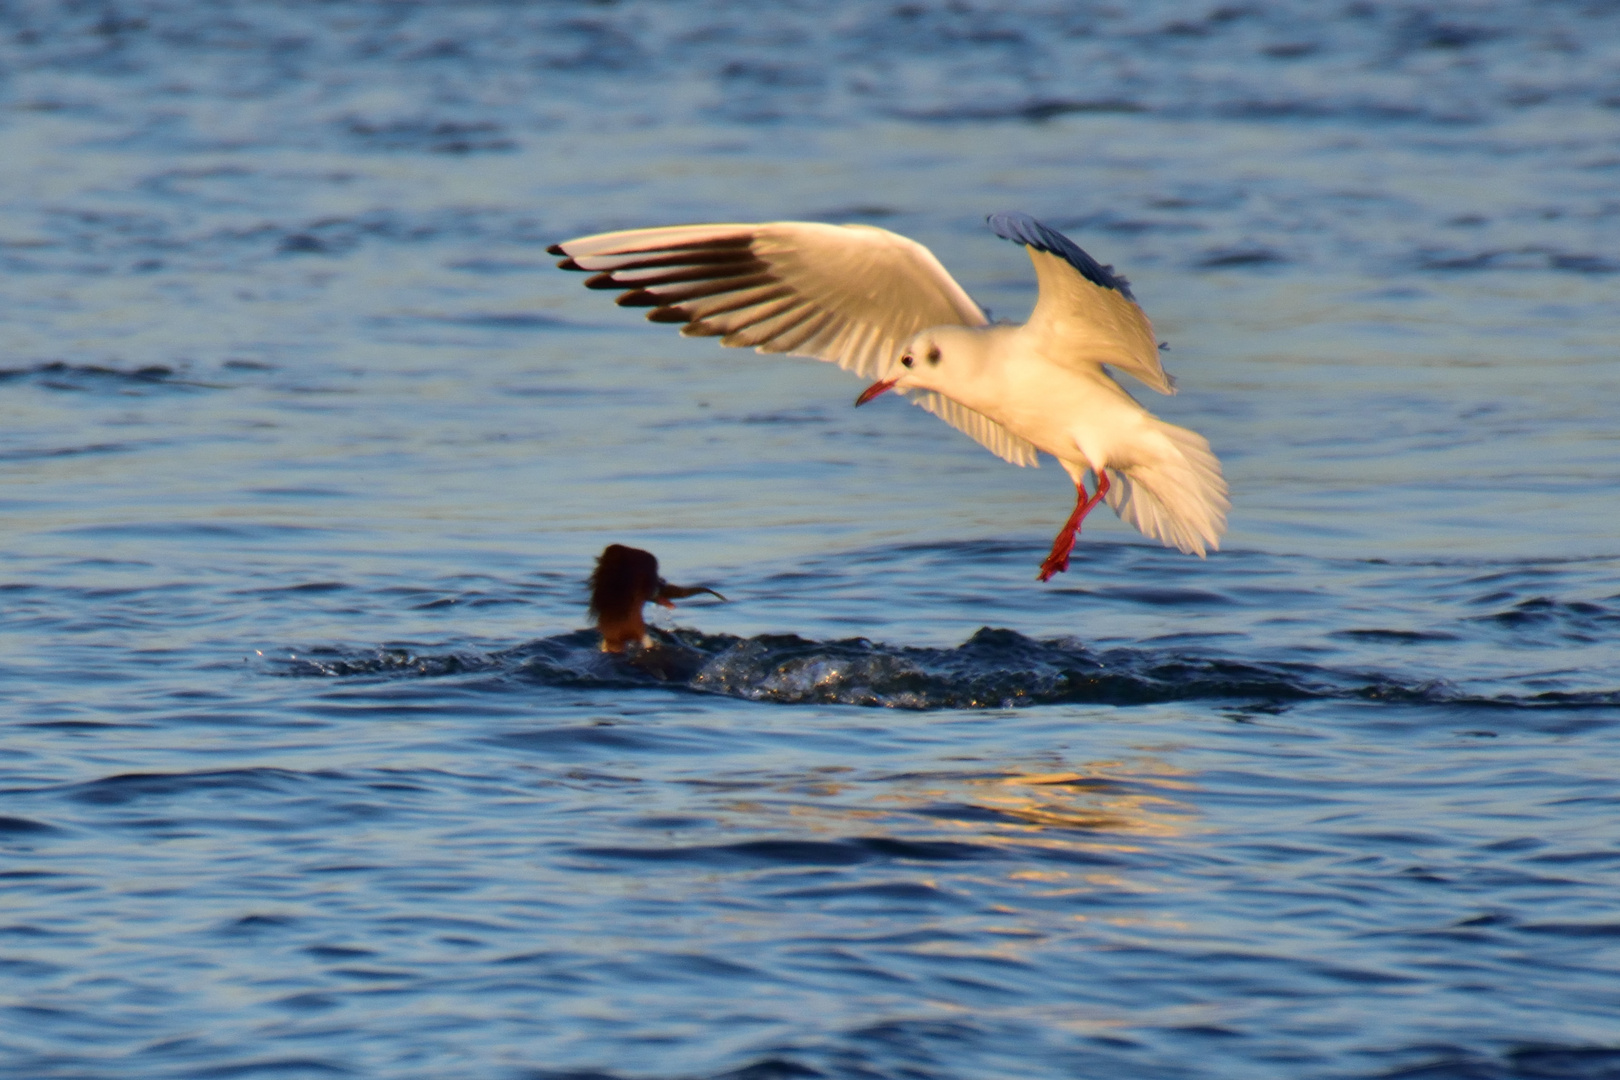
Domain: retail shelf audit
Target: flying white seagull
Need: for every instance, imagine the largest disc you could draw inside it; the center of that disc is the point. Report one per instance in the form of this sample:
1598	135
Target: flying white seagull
882	306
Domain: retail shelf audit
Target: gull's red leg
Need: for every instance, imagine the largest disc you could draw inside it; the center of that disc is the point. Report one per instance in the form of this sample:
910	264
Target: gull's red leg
1058	561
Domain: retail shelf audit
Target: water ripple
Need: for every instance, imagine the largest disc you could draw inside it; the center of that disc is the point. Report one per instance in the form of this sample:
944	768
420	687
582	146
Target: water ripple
995	668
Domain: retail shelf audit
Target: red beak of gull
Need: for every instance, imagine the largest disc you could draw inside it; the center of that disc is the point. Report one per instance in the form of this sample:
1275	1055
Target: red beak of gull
624	580
874	390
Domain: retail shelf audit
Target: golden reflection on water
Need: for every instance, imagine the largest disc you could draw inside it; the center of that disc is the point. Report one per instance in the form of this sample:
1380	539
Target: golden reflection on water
1101	797
1103	809
1114	806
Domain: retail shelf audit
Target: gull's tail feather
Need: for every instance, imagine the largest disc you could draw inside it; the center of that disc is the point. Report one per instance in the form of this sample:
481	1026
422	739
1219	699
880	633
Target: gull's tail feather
1174	493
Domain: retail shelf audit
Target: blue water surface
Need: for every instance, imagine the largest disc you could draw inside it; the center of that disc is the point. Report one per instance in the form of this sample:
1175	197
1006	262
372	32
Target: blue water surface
310	770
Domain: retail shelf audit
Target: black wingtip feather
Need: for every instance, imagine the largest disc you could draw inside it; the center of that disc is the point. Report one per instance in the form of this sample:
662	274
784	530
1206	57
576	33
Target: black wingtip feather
556	249
1020	228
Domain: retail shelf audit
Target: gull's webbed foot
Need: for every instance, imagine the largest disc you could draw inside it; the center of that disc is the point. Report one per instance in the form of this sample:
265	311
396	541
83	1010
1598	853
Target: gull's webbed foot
1058	561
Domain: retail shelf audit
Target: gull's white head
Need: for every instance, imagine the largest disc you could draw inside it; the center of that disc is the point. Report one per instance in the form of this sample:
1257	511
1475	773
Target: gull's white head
941	358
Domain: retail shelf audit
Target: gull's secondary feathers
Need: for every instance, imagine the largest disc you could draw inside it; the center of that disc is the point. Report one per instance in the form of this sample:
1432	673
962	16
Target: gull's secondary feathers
851	294
881	305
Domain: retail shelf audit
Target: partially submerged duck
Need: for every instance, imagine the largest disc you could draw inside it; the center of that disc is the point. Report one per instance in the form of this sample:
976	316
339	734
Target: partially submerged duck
624	580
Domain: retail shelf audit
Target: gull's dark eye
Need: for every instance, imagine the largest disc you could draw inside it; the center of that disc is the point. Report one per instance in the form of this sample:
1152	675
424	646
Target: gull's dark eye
906	361
933	355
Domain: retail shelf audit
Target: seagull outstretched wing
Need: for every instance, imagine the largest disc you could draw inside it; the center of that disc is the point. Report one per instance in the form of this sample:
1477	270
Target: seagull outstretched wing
1085	304
848	294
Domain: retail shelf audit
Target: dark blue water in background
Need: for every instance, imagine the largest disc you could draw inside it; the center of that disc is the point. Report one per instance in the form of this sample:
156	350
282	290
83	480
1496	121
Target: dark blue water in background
306	450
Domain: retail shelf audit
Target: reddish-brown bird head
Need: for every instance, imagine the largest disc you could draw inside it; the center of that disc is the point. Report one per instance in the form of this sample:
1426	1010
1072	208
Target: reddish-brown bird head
624	580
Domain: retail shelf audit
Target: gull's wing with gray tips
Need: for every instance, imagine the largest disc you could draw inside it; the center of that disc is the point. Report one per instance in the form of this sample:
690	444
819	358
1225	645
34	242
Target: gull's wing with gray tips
1085	308
847	294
